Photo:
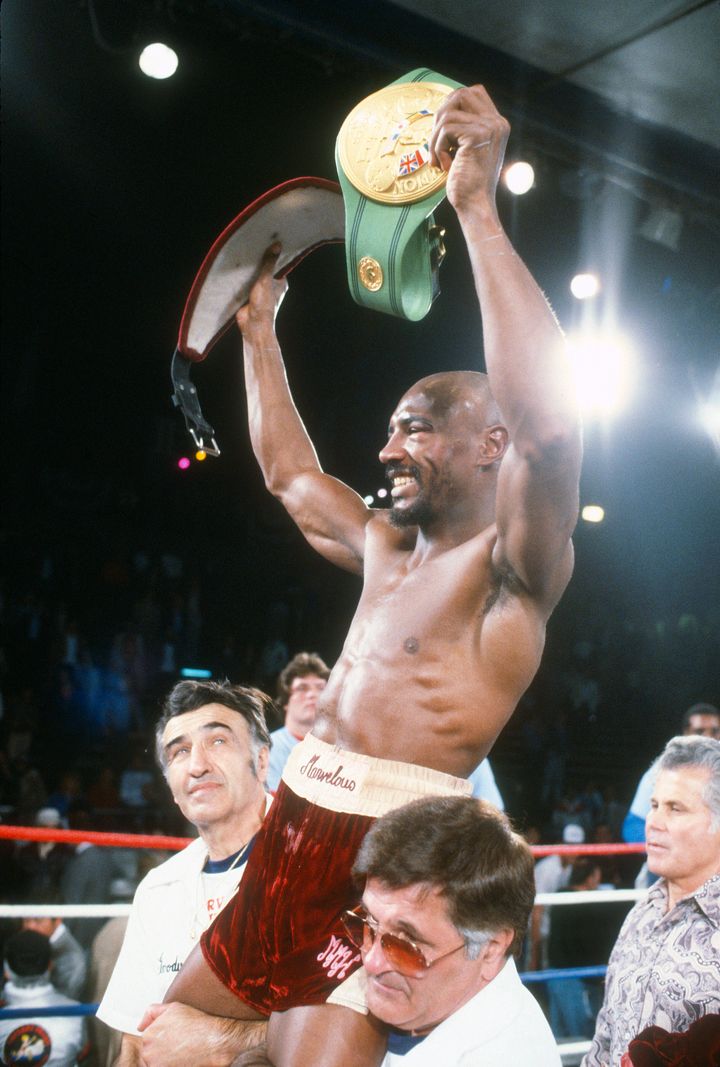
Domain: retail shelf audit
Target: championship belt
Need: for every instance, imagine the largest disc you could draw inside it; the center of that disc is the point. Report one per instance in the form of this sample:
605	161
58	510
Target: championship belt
303	214
393	249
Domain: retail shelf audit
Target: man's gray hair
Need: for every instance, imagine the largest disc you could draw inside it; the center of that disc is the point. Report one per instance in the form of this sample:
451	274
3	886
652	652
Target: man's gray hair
252	704
702	752
475	940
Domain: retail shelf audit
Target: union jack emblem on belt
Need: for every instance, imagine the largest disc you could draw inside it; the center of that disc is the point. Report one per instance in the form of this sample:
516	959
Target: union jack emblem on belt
413	161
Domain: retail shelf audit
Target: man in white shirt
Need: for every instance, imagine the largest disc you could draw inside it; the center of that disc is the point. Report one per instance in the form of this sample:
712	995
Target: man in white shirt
551	875
69	963
53	1040
448	890
213	746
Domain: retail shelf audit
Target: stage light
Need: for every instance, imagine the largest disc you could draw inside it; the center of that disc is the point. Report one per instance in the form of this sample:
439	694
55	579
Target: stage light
183	463
604	370
369	499
195	672
201	455
519	177
158	61
710	419
585	286
593	513
382	493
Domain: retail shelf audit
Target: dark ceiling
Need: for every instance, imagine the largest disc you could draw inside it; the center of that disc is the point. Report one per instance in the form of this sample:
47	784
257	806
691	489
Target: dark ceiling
654	60
114	187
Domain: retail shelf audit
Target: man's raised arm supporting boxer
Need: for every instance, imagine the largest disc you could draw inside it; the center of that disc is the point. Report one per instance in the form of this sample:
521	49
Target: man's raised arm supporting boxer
459	579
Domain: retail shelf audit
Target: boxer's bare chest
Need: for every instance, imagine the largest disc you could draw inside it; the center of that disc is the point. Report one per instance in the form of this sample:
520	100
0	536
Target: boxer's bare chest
416	668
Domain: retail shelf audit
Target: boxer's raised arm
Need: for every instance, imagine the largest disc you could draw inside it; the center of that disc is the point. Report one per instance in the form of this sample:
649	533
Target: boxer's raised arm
528	369
330	515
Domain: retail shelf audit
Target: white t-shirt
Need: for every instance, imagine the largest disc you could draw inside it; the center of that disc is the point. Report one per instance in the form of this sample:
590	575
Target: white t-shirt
643	794
173	905
29	1040
550	877
485	786
501	1026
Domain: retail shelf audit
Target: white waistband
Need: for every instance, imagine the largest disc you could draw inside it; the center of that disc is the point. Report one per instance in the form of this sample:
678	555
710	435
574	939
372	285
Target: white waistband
362	785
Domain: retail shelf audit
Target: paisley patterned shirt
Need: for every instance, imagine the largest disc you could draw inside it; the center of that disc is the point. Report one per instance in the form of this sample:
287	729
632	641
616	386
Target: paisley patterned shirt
664	970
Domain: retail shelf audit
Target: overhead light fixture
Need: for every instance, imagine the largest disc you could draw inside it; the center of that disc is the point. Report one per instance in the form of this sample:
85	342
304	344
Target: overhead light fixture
593	513
663	225
158	61
585	286
519	177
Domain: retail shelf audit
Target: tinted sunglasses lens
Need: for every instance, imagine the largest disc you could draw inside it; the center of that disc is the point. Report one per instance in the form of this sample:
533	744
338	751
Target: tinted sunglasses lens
357	929
406	958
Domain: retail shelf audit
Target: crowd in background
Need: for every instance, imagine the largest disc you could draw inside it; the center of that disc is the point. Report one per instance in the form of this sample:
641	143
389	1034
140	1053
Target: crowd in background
84	665
86	658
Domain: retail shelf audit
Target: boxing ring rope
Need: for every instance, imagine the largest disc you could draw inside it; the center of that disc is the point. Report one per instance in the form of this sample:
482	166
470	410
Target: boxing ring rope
122	840
101	837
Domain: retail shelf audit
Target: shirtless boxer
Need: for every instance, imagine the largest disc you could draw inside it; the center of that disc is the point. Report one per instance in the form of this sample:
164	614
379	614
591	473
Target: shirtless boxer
460	577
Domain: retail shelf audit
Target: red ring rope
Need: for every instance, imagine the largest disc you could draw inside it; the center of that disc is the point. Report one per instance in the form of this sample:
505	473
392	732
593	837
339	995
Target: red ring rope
97	837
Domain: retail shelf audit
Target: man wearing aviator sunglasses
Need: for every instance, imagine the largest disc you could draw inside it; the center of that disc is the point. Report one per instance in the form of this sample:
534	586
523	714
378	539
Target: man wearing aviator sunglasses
448	890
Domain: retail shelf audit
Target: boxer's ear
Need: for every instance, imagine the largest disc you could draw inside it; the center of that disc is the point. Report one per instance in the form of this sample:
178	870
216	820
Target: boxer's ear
493	444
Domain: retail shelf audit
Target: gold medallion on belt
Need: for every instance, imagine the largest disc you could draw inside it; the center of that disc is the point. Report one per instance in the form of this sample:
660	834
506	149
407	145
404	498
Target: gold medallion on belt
383	143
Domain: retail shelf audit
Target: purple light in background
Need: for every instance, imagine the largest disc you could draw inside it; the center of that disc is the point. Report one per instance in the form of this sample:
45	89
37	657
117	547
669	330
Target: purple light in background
183	463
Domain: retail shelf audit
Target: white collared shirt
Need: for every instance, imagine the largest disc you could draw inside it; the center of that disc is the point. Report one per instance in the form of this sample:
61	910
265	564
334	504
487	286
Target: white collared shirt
173	905
501	1026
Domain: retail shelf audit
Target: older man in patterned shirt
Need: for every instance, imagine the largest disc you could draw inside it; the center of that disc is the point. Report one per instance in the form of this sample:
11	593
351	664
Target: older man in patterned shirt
665	967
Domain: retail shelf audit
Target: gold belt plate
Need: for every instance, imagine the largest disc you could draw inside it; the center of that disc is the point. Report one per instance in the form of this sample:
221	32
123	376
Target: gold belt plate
383	143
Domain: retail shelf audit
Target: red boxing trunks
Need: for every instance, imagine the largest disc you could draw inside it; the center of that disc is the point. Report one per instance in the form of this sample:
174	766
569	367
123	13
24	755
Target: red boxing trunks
279	943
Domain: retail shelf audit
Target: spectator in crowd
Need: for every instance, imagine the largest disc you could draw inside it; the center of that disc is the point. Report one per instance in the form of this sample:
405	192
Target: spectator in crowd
613	811
86	878
103	792
69	965
212	745
66	794
300	684
25	787
448	889
573	942
700	720
616	871
551	875
137	781
40	863
665	967
104	954
58	1041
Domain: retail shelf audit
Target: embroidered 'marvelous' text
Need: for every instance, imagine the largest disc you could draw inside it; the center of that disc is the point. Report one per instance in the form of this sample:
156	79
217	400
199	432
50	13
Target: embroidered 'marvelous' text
338	958
332	777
